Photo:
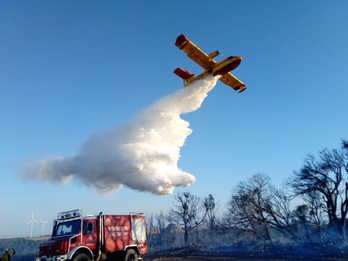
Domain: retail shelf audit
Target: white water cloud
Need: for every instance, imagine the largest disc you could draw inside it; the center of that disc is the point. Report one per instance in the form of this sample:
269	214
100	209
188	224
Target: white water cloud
142	154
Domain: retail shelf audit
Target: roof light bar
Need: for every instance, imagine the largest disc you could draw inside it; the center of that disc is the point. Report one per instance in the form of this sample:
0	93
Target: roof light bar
69	214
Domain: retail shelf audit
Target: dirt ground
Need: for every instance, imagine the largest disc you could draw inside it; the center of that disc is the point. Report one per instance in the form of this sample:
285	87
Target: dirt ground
197	258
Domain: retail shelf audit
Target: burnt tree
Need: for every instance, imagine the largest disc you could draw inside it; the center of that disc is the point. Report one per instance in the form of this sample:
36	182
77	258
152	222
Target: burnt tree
247	207
326	177
188	213
258	207
210	207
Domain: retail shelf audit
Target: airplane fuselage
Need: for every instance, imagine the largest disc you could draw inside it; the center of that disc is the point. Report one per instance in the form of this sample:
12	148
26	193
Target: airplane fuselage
217	68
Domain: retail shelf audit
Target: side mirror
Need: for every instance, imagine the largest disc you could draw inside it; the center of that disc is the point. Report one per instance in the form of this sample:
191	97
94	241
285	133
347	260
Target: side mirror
12	251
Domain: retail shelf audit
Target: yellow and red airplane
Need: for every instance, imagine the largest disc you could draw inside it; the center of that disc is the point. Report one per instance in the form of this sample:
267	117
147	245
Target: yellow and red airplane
209	65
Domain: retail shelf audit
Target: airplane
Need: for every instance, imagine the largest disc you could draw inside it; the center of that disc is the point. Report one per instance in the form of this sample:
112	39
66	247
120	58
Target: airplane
209	65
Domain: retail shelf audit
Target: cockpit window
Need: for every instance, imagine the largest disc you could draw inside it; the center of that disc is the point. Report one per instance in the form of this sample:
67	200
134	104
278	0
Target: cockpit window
68	228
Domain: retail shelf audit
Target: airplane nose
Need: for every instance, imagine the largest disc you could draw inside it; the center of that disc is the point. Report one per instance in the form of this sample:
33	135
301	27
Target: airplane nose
227	65
236	60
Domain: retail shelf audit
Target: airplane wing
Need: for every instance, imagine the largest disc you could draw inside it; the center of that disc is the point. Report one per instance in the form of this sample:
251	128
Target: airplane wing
232	81
194	52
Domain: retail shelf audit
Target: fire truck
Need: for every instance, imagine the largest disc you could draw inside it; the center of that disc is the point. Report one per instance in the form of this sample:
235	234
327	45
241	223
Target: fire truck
95	237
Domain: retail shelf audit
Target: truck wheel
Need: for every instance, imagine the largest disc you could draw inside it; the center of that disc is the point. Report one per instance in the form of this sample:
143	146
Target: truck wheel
131	255
82	257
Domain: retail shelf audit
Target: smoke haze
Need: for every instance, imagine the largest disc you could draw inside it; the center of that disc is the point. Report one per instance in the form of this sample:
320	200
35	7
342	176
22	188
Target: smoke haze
142	154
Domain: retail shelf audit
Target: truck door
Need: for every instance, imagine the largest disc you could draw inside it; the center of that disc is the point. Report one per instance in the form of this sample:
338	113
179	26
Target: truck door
139	232
90	234
138	229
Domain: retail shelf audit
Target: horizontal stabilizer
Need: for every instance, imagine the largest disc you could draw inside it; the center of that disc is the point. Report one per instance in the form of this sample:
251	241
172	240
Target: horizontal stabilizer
184	74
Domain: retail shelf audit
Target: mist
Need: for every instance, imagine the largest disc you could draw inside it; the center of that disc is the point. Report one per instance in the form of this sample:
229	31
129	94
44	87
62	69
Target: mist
141	154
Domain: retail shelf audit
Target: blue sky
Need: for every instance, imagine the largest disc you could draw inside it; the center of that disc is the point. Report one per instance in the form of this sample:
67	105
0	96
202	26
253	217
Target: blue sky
70	69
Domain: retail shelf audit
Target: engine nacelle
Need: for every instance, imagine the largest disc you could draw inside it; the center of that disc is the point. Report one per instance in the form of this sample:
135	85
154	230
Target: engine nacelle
212	55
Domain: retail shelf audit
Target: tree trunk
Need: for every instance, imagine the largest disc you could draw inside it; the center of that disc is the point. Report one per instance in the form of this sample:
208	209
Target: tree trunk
268	234
344	230
186	235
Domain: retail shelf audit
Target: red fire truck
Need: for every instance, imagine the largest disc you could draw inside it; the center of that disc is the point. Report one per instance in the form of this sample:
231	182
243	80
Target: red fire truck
85	238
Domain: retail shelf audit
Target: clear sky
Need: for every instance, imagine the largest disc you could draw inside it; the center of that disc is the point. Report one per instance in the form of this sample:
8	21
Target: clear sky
69	69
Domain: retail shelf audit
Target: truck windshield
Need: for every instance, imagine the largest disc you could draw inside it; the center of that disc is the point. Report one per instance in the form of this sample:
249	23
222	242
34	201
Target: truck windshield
71	227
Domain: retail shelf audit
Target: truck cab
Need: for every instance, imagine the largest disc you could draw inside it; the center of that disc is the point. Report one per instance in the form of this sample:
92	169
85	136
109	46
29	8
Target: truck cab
78	238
